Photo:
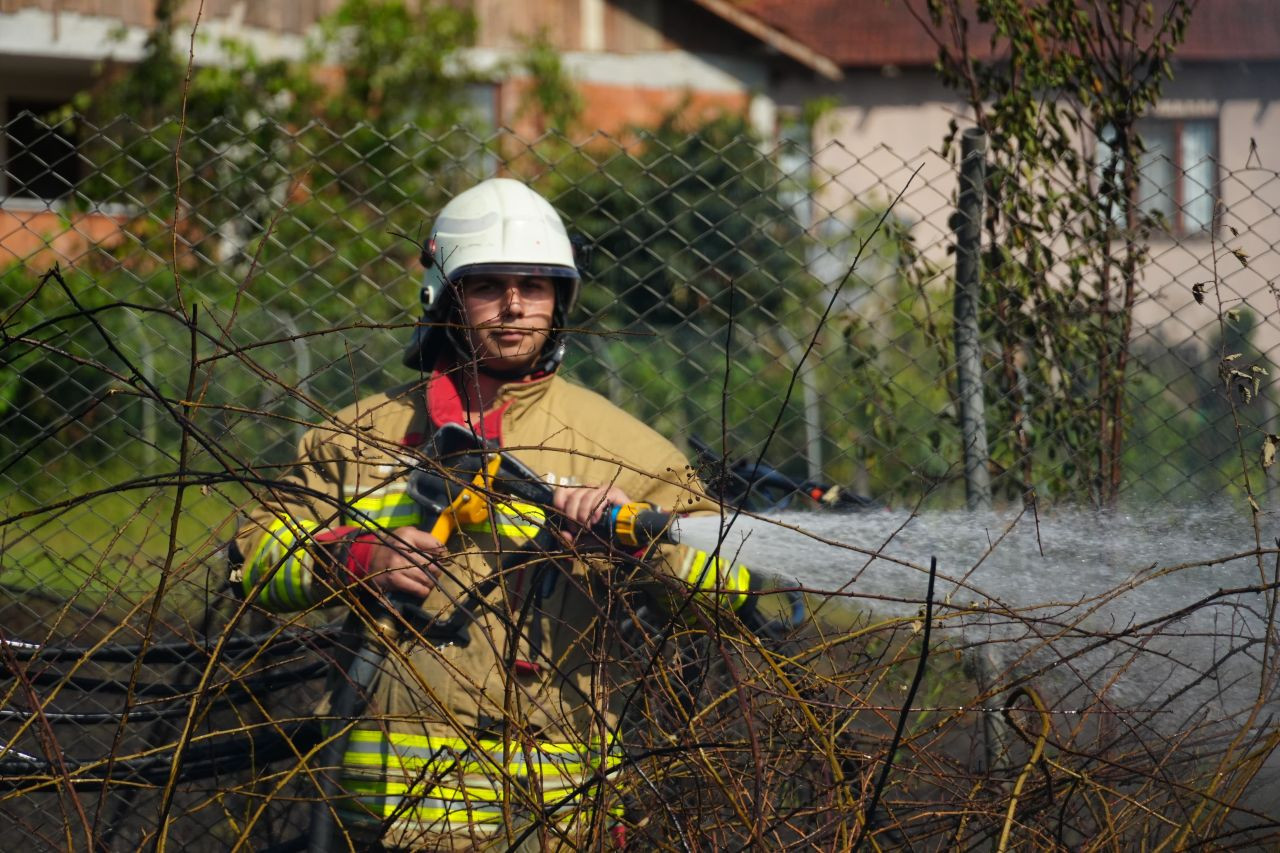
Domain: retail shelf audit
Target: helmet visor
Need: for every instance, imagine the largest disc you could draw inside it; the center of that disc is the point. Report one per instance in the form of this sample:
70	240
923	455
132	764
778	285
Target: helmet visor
546	270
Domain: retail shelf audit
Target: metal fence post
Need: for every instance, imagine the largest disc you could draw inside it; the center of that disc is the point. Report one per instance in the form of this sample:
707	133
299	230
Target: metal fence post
146	364
302	366
812	403
968	227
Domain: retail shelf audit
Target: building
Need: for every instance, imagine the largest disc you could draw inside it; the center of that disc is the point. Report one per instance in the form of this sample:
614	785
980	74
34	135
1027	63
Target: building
1213	143
634	61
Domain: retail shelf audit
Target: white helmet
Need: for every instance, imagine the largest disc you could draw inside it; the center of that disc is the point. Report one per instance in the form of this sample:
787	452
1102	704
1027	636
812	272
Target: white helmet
498	226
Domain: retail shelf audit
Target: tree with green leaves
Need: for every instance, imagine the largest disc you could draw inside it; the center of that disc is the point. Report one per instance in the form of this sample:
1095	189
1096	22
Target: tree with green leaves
265	185
697	261
1065	232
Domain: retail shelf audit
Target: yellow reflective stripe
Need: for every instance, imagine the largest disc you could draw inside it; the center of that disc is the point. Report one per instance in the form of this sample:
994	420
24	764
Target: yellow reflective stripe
460	799
450	765
385	799
289	581
473	816
256	557
390	799
295	578
463	817
290	584
396	509
509	531
511	520
446	798
386	510
488	745
698	569
707	574
526	512
476	820
741	583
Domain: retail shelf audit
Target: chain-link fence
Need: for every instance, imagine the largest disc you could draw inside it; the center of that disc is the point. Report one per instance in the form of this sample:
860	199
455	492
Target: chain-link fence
814	289
193	298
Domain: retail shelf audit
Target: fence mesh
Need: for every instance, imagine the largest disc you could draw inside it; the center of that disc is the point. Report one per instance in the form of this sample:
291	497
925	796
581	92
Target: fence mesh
709	250
181	303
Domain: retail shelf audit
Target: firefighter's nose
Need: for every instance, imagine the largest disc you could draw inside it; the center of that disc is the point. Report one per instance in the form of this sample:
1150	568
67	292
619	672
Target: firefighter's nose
513	301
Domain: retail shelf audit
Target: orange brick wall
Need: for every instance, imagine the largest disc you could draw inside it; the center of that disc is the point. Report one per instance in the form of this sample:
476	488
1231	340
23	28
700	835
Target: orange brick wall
40	238
612	109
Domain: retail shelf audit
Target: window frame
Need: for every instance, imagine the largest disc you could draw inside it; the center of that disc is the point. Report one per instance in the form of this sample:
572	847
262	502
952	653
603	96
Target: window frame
1177	225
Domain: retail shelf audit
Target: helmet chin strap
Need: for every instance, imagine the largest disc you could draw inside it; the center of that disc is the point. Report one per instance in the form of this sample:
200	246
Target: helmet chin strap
446	336
548	360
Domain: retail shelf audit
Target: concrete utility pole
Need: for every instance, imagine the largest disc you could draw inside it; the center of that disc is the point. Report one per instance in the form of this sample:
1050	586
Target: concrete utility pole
968	227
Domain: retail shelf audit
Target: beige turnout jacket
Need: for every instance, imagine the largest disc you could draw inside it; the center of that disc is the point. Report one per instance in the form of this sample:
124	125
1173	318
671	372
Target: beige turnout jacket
464	744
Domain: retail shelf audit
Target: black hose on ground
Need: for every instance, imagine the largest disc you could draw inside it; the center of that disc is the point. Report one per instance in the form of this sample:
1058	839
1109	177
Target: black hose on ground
265	644
350	699
240	688
234	752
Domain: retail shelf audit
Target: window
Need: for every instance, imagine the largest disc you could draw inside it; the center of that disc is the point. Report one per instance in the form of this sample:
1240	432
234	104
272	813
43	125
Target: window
40	160
482	105
1178	172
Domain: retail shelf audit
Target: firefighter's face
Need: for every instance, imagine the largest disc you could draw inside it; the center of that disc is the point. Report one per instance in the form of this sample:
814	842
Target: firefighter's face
508	318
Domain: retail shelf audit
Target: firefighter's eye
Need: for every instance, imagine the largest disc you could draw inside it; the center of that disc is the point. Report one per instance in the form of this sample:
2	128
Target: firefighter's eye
537	288
483	288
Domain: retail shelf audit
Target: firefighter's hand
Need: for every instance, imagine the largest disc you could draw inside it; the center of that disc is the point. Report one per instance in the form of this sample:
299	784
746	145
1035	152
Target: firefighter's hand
406	561
585	505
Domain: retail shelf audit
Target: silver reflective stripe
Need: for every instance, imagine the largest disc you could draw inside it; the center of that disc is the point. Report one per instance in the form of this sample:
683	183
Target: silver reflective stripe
422	810
492	758
466	225
515	521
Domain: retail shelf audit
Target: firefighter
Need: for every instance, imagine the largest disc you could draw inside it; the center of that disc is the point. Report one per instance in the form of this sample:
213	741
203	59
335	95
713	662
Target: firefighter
510	741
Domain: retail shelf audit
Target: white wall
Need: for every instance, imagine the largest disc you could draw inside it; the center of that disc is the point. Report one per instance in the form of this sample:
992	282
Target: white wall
888	124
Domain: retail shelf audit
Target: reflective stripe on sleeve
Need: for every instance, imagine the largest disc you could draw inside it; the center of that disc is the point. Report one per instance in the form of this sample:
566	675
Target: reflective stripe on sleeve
711	577
388	509
283	545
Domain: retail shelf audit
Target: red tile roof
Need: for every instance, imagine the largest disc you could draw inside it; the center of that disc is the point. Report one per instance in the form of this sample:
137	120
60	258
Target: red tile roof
1233	30
862	33
853	32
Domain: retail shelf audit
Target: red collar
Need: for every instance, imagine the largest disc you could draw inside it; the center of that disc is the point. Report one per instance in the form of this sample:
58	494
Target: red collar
445	406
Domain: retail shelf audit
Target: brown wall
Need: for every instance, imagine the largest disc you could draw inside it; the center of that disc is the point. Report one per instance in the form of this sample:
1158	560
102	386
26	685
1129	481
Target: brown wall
629	25
635	25
504	24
